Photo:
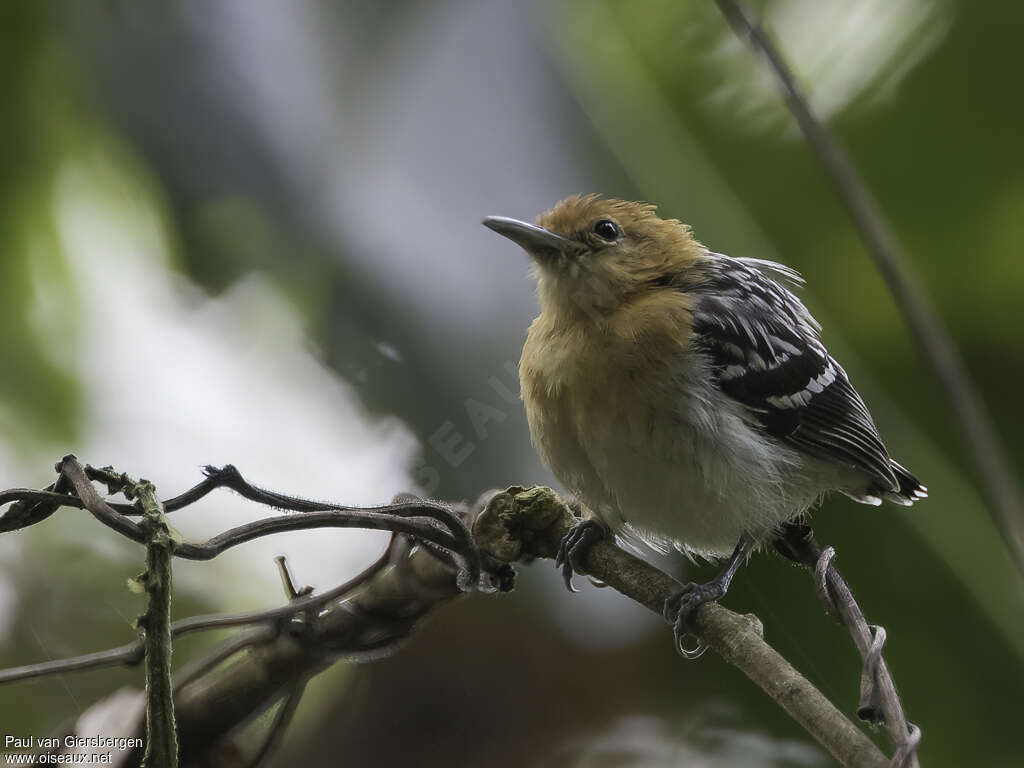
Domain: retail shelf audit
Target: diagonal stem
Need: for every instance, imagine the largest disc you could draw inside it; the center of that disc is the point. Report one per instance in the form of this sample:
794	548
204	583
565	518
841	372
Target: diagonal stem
933	340
879	700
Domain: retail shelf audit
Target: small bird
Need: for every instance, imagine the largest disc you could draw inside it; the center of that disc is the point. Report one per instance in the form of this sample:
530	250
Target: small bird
682	395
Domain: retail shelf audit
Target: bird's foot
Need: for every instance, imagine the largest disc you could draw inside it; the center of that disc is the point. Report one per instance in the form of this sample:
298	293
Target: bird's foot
574	546
796	541
681	610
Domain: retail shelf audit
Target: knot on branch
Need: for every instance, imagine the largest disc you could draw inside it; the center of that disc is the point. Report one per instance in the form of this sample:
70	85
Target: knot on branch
115	481
522	523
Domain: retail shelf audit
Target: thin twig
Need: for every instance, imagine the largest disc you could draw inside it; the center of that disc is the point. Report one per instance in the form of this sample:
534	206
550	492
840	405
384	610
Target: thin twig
933	339
23	514
373	612
374	618
221	653
432	523
125	655
282	718
879	700
155	623
131	654
424	520
293	695
57	495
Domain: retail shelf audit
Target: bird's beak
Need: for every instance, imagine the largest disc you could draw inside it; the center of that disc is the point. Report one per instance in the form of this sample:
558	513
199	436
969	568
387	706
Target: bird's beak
540	243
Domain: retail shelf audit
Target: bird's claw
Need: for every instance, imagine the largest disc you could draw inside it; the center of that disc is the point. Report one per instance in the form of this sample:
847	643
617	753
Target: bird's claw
681	609
574	546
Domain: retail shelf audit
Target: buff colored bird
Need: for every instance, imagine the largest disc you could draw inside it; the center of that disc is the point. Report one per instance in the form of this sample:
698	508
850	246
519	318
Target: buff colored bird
683	395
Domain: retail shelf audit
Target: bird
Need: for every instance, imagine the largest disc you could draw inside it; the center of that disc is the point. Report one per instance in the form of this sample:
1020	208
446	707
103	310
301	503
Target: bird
684	396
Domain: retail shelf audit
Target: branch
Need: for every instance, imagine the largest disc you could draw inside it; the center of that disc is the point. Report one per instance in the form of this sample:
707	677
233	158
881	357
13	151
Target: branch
879	701
434	525
282	719
936	346
366	617
379	610
374	612
22	515
429	522
131	654
162	737
531	522
126	655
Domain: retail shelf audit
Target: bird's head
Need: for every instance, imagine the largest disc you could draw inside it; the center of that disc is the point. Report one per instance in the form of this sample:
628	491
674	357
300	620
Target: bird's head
592	255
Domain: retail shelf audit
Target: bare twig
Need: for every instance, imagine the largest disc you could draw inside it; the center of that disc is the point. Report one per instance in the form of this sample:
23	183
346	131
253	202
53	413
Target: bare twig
427	521
370	620
522	522
131	654
433	524
933	339
125	655
293	695
155	623
222	652
879	700
23	514
282	718
364	618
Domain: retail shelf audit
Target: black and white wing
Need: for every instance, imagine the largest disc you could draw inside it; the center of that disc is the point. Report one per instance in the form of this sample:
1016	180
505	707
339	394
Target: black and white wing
764	350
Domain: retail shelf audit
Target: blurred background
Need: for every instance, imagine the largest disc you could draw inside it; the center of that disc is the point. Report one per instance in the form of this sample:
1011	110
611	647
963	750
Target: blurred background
248	232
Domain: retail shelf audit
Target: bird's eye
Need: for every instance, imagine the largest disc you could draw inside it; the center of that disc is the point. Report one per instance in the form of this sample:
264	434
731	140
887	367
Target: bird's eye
607	230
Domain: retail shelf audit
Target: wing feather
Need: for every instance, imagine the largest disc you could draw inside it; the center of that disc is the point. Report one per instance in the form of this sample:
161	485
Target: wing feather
764	350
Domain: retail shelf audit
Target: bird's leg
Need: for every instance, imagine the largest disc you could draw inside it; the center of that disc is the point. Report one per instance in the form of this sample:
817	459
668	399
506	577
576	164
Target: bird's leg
574	546
796	542
681	608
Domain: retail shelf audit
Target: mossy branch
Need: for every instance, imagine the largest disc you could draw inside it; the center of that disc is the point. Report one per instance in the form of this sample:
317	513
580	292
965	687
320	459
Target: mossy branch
155	623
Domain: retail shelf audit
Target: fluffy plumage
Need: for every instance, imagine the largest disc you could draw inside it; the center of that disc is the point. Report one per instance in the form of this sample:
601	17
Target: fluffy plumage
684	396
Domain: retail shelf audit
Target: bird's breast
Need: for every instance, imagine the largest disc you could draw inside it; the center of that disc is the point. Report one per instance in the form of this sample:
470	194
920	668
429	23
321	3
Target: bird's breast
634	430
606	417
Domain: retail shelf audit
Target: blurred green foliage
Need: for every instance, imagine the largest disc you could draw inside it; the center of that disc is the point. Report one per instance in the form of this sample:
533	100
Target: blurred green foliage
40	399
671	109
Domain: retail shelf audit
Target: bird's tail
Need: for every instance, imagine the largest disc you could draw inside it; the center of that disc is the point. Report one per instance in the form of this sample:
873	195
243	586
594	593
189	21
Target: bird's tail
910	488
